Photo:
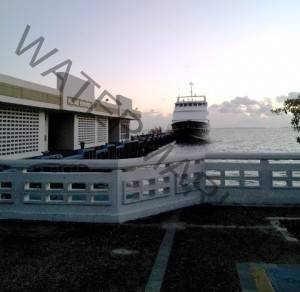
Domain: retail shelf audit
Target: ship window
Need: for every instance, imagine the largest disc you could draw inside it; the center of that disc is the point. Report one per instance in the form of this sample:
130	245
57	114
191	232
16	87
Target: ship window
181	104
184	104
190	104
195	104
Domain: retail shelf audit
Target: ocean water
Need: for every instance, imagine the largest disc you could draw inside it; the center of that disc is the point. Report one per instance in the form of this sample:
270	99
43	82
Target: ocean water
243	140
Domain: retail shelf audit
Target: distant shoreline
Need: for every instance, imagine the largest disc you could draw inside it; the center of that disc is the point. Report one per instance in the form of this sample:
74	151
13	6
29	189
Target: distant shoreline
251	128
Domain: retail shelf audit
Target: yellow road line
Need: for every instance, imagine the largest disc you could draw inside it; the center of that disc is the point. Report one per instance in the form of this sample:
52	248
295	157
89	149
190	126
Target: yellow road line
262	281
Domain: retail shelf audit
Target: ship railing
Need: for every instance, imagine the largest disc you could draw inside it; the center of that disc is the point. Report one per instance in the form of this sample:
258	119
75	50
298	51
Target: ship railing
126	189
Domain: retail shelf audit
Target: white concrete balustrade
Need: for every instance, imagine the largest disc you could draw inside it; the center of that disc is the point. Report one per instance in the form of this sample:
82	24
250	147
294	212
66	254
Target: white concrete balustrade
122	190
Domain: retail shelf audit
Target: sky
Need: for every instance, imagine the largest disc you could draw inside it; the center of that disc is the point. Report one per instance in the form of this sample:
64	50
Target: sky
242	55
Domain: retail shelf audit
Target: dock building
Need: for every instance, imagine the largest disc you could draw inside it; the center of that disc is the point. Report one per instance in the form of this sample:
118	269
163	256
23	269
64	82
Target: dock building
35	119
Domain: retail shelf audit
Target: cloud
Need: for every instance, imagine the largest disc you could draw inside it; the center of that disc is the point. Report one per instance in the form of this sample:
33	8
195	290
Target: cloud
245	106
154	118
247	112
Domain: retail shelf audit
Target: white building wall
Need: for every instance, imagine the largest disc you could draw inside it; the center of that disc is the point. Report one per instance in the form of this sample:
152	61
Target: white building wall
72	87
26	84
125	104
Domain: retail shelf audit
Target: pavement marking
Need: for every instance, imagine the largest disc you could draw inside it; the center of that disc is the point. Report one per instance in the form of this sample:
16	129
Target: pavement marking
264	277
159	268
261	279
174	225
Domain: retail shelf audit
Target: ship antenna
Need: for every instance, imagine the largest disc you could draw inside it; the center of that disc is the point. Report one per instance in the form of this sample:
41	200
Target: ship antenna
191	84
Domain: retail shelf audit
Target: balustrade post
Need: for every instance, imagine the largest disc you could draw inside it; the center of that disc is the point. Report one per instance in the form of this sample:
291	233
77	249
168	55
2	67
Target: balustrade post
289	178
117	189
18	188
202	182
265	175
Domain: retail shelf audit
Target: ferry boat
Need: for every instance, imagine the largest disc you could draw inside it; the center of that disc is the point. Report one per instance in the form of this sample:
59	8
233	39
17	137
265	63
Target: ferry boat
190	121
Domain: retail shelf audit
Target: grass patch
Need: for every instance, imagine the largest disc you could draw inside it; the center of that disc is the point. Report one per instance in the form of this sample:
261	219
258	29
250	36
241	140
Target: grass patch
225	215
40	256
236	215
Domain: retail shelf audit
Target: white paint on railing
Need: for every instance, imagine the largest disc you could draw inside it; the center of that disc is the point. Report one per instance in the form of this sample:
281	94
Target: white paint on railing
119	190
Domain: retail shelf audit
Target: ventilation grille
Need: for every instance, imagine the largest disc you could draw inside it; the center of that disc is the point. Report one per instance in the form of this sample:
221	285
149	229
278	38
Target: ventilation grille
124	129
102	130
19	130
86	129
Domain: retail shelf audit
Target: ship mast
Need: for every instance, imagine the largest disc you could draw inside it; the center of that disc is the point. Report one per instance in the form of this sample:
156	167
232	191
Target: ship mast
191	84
